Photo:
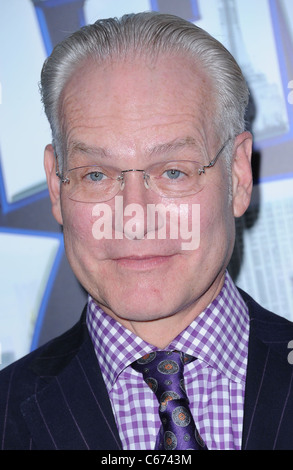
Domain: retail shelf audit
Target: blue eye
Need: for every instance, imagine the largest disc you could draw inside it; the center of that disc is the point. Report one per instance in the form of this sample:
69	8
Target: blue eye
96	176
173	174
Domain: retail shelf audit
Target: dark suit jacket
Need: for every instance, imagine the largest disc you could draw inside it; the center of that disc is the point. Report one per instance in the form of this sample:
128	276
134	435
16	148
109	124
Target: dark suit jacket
55	398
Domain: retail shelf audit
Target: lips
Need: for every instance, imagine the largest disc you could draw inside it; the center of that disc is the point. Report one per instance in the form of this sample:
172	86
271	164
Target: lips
142	262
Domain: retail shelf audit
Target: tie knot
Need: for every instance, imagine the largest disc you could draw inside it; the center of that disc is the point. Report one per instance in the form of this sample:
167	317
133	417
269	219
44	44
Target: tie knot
163	370
166	362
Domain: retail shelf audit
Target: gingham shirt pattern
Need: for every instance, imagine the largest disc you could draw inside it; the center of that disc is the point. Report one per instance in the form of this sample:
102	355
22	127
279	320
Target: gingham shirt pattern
215	382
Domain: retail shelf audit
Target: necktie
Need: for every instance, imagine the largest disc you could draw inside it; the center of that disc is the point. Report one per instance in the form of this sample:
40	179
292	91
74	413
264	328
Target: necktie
163	372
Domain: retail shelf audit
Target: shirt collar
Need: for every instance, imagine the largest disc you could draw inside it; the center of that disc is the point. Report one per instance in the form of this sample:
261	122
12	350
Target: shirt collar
218	336
115	346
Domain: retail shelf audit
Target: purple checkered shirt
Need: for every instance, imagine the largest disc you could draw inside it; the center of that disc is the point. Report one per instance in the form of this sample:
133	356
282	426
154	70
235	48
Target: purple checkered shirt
215	382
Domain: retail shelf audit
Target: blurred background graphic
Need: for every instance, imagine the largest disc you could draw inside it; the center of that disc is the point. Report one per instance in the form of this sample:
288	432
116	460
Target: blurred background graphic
39	296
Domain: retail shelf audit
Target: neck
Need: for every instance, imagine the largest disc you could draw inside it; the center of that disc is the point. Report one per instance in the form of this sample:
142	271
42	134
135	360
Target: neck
160	332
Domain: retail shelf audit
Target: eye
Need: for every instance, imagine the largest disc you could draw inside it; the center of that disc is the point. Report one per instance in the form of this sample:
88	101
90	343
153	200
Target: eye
96	176
173	174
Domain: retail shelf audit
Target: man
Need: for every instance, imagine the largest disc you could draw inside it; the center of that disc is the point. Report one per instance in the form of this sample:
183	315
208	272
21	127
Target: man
147	116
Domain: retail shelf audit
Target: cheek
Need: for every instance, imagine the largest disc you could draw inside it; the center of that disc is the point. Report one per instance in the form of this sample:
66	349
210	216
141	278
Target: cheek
77	223
216	221
78	232
190	226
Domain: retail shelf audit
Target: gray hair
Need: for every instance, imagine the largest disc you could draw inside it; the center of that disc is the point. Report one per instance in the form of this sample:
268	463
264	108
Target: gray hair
147	33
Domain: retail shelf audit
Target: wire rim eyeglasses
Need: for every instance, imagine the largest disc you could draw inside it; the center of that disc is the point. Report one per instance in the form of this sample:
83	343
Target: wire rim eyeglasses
170	179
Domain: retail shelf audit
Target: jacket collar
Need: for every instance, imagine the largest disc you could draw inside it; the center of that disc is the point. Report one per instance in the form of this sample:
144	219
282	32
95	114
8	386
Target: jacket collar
71	408
268	379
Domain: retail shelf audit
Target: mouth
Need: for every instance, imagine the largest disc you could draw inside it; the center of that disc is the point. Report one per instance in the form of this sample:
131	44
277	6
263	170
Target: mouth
143	262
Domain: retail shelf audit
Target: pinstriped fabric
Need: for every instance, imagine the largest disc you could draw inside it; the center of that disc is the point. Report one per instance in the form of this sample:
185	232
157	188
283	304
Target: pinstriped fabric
71	410
46	424
31	402
72	414
6	408
55	398
268	410
283	411
257	399
98	403
75	414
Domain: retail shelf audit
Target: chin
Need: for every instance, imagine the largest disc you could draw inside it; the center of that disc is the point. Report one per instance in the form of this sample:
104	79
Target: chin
137	310
139	305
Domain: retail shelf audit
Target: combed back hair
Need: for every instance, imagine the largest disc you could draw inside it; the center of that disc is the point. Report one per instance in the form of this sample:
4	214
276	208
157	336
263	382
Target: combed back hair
139	35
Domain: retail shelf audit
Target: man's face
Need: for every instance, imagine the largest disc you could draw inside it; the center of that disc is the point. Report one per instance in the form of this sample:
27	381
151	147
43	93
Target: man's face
129	115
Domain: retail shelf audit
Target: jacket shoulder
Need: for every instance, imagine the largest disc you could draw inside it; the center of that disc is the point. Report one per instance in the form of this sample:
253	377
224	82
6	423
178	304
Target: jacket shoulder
272	329
21	379
51	357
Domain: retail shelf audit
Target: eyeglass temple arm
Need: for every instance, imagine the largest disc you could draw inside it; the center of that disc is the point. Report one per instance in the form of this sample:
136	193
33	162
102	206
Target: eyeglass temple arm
212	162
62	179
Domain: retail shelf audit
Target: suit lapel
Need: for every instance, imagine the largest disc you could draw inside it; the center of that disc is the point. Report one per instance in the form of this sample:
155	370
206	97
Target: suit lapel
70	408
73	411
268	383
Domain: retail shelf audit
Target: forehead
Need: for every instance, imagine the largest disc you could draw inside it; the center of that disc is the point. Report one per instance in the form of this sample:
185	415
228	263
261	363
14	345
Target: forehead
137	103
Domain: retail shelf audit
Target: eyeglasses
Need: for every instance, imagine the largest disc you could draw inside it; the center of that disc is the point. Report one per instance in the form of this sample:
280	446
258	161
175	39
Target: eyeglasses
171	179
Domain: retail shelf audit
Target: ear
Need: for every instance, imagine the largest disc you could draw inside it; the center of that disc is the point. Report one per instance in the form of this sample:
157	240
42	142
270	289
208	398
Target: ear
53	182
242	181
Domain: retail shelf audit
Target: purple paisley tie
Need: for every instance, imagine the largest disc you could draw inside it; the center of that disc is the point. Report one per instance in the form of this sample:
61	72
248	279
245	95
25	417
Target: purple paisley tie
163	372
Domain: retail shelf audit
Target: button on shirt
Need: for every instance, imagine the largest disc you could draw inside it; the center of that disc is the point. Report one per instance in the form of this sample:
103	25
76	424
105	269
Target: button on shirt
215	382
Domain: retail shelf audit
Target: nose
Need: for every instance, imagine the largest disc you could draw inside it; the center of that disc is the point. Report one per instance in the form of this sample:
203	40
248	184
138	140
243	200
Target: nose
135	200
133	184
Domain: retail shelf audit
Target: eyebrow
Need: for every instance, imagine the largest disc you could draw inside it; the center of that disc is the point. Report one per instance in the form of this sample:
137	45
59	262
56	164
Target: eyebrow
174	145
80	147
164	148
